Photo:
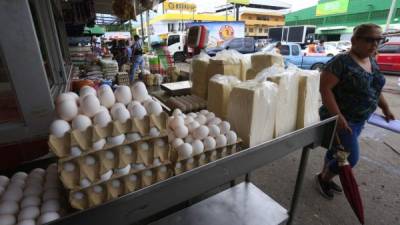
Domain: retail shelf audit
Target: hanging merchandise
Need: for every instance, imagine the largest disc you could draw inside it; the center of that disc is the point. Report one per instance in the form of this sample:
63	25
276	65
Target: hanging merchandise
125	9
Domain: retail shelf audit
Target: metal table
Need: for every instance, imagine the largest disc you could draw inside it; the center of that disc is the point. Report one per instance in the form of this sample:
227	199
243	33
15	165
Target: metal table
136	207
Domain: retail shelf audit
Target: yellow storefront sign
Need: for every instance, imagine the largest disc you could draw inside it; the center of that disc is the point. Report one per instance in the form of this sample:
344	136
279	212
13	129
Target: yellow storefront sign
242	2
180	6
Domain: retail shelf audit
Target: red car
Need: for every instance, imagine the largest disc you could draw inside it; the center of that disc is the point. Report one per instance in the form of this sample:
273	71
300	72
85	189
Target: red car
388	58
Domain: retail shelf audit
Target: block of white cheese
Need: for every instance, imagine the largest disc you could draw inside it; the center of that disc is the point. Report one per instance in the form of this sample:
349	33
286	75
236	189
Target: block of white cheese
309	97
246	65
251	111
199	75
219	89
286	111
227	62
260	61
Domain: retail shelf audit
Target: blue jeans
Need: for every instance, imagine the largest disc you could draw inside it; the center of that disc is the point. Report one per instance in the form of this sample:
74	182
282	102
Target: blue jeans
138	61
350	143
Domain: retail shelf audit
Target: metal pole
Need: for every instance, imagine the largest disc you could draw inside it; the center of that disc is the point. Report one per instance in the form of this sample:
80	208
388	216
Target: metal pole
299	183
391	11
237	12
141	24
148	28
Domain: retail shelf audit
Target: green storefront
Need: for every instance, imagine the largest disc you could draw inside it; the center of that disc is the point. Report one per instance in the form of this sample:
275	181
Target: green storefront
335	19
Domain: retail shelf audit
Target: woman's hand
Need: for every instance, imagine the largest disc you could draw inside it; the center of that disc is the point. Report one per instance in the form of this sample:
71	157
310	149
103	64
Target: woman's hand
342	124
388	114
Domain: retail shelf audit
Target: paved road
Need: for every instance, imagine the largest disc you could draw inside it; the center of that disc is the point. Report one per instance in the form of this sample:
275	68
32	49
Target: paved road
378	176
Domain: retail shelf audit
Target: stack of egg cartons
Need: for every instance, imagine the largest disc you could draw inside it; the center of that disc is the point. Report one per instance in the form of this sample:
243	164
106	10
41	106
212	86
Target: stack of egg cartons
110	68
109	143
33	198
198	138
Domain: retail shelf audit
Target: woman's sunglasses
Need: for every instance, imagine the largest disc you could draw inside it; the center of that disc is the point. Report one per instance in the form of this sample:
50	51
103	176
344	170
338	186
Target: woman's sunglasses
371	40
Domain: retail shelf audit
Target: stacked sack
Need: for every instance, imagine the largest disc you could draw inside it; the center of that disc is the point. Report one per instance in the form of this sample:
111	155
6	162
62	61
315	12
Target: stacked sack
33	198
199	138
104	137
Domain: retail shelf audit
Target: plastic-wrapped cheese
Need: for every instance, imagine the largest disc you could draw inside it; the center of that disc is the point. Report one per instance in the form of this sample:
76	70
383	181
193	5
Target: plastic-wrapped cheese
308	100
251	111
286	111
219	89
226	62
199	75
260	61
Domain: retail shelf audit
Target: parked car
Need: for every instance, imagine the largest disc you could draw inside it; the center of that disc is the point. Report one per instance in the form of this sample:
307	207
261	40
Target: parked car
341	45
292	54
242	45
330	51
388	57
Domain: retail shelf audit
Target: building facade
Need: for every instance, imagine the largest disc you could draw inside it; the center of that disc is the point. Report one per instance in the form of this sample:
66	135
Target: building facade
335	19
257	23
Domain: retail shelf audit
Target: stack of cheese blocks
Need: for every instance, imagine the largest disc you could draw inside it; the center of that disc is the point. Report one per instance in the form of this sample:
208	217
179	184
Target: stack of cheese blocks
198	138
110	68
105	139
29	199
260	61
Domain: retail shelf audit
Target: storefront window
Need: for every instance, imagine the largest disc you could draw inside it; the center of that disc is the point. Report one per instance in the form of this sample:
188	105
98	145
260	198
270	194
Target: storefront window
8	100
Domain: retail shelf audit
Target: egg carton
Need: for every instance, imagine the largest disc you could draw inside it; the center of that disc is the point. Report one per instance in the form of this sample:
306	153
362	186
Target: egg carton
102	165
93	137
114	188
185	164
188	103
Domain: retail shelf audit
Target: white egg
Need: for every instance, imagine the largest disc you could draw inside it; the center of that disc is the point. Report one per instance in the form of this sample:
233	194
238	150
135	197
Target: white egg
188	120
154	132
109	155
177	142
33	190
87	90
224	126
193	125
81	122
69	167
104	87
123	94
19	176
51	184
26	222
127	150
90	160
106	176
214	121
210	116
67	110
131	137
139	91
116	140
139	166
39	171
132	178
102	108
59	127
65	97
147	102
163	169
181	131
201	132
204	112
122	115
144	146
7	219
17	183
31	212
98	145
154	108
192	114
102	118
115	107
178	165
8	207
51	194
123	171
4	180
84	183
138	111
176	121
12	194
209	143
198	147
131	104
90	105
189	139
98	189
107	98
201	119
116	183
48	217
231	137
78	195
30	201
159	143
220	141
214	130
185	150
177	112
50	206
148	173
156	162
75	151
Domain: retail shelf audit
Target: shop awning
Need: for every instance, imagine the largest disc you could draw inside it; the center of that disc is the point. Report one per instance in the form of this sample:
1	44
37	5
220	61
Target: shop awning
95	30
105	6
332	28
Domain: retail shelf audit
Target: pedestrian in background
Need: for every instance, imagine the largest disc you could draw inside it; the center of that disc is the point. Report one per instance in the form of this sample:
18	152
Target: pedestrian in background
350	87
137	57
321	47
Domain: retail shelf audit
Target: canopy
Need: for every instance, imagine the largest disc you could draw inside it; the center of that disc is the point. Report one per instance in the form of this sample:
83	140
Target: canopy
95	30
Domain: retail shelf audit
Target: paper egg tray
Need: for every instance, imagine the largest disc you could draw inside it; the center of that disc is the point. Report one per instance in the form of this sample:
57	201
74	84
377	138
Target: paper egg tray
84	140
95	172
183	165
118	186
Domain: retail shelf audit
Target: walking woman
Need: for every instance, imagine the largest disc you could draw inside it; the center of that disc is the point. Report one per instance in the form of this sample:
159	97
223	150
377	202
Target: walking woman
351	86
